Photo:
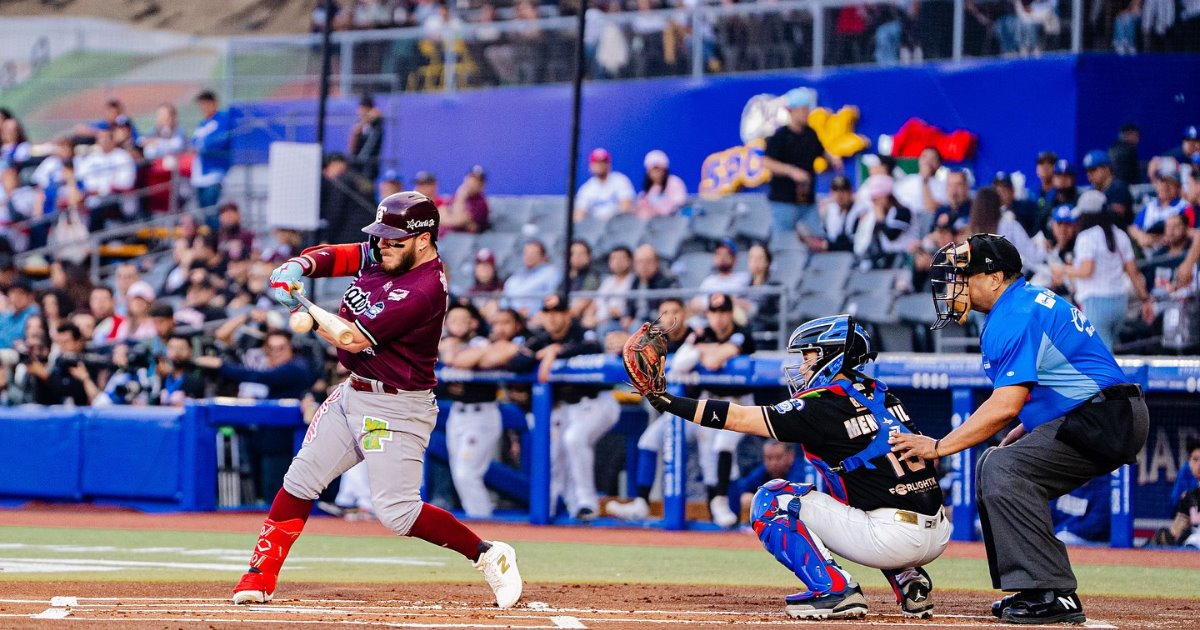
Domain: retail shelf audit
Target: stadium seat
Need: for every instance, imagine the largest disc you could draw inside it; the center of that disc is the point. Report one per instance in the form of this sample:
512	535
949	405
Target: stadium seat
831	269
590	231
788	267
666	235
752	219
875	281
508	214
712	223
691	268
456	247
504	245
785	242
915	308
623	229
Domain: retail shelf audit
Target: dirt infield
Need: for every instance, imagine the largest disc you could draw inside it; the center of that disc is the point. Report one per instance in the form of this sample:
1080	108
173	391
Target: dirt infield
611	607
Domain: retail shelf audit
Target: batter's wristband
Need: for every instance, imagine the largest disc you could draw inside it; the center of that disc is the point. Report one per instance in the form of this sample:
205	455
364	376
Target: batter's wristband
683	407
715	414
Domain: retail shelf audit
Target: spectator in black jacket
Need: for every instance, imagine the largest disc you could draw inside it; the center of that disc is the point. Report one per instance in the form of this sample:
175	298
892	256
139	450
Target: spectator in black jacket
71	379
285	374
366	139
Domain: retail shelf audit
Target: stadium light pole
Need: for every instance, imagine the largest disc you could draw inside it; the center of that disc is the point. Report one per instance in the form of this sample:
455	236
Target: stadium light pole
326	64
573	160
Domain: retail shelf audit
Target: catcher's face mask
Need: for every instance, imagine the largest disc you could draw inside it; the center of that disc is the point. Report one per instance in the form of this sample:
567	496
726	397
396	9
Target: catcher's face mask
948	281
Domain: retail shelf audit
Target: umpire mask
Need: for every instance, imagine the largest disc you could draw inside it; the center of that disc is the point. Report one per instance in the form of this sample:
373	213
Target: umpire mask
954	263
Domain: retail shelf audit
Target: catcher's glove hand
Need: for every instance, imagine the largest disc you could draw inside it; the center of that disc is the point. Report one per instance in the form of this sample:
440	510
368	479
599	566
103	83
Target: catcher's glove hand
644	355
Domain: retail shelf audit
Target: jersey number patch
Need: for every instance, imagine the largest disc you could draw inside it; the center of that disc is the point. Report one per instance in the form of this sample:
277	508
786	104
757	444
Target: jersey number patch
375	433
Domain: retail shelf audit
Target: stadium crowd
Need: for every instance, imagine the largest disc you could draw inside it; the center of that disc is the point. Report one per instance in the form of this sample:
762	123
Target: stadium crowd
199	325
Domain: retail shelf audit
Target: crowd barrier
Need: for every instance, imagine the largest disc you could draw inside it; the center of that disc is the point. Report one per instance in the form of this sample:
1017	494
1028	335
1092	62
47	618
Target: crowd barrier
164	458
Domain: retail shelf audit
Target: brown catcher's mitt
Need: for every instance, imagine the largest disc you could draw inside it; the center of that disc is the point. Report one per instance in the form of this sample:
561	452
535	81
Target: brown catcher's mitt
643	357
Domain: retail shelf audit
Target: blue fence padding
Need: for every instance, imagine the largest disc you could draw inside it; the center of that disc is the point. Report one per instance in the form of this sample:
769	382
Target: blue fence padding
40	451
132	453
1079	103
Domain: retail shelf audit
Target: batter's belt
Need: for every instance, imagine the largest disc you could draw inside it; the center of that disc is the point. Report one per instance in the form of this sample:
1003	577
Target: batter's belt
372	386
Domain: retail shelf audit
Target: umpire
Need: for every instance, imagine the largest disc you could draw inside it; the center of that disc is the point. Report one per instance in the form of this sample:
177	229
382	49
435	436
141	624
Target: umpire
1080	418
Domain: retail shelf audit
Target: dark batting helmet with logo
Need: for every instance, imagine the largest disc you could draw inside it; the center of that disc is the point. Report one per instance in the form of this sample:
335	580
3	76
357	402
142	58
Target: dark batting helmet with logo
402	215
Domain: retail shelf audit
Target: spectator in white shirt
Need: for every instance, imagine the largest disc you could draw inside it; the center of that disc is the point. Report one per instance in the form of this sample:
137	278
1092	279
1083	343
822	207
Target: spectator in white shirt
526	287
14	146
607	193
104	174
166	138
663	193
723	279
924	191
612	306
1103	254
1147	228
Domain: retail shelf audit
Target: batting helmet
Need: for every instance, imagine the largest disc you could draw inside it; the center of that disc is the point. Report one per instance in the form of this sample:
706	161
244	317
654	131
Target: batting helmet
404	214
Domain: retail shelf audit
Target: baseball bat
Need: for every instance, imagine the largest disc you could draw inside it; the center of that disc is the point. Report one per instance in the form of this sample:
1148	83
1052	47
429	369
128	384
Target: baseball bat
330	322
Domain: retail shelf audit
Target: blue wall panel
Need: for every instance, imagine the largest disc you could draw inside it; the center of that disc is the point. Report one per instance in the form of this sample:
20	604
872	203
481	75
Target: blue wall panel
132	453
40	453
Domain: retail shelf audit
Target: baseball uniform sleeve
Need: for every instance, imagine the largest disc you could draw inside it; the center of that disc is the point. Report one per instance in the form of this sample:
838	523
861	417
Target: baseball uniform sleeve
1013	352
395	318
793	420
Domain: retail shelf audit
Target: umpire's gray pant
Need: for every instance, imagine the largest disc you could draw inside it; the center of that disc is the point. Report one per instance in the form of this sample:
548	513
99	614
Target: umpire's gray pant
1014	486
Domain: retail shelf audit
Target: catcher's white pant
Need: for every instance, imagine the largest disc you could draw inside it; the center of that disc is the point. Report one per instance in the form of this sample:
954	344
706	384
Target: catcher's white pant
472	438
884	538
354	491
574	431
712	442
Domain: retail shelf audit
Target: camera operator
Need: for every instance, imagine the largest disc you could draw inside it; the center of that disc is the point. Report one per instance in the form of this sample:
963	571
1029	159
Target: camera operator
129	384
285	374
19	384
73	378
177	378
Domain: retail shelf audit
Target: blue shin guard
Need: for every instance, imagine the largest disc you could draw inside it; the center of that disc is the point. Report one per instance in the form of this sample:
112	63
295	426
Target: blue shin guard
775	515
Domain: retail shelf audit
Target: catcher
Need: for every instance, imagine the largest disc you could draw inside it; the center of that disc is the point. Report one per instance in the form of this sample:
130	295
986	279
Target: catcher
881	511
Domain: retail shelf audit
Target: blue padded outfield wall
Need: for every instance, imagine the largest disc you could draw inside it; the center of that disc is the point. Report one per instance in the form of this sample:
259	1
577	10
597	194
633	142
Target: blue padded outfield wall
520	135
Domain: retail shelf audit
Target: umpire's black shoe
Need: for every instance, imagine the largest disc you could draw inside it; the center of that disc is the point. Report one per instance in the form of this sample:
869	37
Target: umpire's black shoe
1044	606
999	606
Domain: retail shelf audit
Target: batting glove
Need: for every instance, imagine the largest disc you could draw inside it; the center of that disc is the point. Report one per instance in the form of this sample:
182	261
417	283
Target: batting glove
283	279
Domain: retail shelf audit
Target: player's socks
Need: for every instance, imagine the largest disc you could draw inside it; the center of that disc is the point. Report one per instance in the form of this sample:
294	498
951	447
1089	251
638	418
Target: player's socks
724	472
439	527
286	507
647	468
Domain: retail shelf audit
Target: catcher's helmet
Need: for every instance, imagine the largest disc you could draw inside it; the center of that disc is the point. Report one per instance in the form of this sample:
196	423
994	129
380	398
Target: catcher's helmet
404	214
837	350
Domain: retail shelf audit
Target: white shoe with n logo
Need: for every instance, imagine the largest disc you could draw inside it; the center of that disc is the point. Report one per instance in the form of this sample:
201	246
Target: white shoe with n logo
499	568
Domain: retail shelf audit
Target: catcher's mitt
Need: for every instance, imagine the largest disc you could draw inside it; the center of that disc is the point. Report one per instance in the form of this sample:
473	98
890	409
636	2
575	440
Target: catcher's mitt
643	357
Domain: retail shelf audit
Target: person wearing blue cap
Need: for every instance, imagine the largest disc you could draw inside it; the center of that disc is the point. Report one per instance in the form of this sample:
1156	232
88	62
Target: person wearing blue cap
1147	228
790	154
1188	149
1064	226
1065	190
1100	174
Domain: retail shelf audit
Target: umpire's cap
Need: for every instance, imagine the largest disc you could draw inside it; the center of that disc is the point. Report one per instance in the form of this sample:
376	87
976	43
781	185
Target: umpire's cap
991	253
404	214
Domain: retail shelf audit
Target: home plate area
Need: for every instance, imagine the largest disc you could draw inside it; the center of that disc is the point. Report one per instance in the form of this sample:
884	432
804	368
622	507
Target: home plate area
608	606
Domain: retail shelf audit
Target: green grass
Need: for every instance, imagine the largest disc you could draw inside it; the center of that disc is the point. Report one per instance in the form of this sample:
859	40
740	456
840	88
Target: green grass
69	73
379	560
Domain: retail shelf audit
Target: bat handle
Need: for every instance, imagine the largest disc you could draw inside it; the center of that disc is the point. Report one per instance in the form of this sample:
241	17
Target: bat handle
346	337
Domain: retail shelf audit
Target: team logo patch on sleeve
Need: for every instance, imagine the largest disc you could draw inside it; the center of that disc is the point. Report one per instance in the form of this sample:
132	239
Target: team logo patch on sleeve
789	405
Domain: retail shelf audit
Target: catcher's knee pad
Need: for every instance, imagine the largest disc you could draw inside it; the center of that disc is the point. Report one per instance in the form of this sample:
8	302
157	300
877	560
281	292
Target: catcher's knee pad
775	516
399	517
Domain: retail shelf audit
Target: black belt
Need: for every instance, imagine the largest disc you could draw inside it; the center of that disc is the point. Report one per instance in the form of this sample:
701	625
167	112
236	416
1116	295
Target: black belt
1125	391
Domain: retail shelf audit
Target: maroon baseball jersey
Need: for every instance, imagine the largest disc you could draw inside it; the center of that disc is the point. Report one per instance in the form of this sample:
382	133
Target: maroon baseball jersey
401	315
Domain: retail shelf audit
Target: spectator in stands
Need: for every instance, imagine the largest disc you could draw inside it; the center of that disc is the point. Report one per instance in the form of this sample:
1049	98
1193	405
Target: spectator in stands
366	139
1042	190
957	211
14	144
72	281
1035	20
581	277
166	138
1060	249
138	322
284	374
21	307
286	242
606	193
468	212
49	173
233	240
473	427
647	275
123	136
1065	190
426	183
347	200
110	326
105	174
1124	154
123	277
1162	261
85	322
1025	212
114	114
1103	254
390	184
1188	150
212	141
892	238
987	218
790	154
1100	175
200	305
778	462
22	384
17	204
764	308
723	279
55	307
487	279
177	378
611	308
72	378
839	217
663	193
1147	228
583	413
924	191
1185	526
537	277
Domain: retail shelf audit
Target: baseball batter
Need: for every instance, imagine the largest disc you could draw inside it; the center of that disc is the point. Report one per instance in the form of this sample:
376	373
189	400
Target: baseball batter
881	511
385	411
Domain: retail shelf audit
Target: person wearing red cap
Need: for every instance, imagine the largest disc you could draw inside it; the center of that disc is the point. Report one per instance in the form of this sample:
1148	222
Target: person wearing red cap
606	193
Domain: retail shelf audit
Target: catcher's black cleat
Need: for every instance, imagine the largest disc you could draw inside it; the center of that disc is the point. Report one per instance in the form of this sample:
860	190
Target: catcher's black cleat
1044	606
846	605
914	589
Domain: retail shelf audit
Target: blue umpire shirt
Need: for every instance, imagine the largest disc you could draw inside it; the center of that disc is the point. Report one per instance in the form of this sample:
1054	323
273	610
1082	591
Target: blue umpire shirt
1034	336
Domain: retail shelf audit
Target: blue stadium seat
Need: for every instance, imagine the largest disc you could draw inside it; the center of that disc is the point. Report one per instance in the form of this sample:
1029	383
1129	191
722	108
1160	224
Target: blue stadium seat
666	235
691	268
623	229
456	247
509	214
712	223
589	230
752	219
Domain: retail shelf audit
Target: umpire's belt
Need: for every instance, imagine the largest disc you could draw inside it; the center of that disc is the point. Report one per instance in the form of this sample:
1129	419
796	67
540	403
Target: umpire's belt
370	385
1124	391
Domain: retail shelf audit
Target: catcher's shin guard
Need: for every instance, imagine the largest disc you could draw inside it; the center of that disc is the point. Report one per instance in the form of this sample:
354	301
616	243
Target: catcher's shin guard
274	541
775	516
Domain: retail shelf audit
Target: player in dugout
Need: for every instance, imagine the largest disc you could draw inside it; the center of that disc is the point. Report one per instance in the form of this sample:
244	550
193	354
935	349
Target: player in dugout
882	511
